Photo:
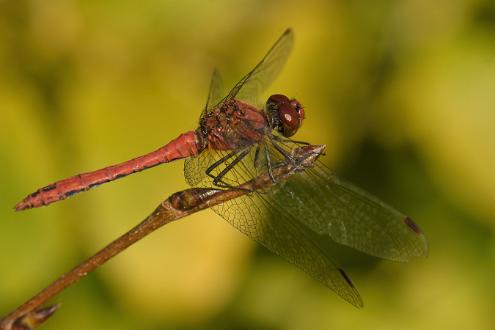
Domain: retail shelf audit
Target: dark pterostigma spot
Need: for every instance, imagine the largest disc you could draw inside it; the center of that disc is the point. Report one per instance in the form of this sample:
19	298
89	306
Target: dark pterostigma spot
411	224
346	278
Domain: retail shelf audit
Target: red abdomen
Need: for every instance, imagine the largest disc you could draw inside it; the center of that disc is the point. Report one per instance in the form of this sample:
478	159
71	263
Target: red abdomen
186	145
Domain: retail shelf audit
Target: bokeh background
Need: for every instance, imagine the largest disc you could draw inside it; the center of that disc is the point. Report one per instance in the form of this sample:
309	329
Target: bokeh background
402	93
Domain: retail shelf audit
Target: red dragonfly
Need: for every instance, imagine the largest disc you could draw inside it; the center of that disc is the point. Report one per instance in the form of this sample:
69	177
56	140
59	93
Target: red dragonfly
239	138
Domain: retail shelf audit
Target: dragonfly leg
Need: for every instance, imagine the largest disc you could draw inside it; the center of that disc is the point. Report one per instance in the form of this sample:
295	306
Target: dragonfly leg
256	155
282	139
283	152
269	165
218	163
217	180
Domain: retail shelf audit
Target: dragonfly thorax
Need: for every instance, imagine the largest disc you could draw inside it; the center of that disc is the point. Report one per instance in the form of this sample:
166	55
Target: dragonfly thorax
233	125
284	115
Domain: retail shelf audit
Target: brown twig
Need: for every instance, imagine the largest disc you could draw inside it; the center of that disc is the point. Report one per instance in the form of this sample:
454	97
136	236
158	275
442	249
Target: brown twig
30	314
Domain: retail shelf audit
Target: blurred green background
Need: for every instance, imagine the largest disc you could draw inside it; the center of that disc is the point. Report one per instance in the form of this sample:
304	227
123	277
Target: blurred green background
402	93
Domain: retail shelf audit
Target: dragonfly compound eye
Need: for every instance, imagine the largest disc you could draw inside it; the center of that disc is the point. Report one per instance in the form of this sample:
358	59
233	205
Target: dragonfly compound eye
283	114
290	120
299	108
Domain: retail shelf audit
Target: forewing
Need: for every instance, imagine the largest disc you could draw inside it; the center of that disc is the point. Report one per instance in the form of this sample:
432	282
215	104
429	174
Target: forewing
252	85
350	216
215	93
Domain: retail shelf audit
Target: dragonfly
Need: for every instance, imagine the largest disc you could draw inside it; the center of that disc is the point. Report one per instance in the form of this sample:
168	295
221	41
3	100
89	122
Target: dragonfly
238	138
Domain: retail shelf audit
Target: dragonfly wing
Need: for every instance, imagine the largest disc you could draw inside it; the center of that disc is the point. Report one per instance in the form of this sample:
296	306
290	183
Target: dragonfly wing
350	216
252	85
257	217
263	218
195	167
215	93
296	218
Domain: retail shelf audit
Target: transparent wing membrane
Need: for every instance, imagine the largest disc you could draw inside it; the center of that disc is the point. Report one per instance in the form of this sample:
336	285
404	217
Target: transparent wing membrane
351	216
256	216
252	85
215	92
264	219
295	215
250	88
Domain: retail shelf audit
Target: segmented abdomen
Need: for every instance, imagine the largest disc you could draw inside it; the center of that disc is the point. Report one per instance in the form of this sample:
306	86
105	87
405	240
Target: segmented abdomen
186	145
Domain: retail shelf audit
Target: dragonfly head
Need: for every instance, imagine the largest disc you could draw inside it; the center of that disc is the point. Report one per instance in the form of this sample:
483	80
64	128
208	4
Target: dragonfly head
284	114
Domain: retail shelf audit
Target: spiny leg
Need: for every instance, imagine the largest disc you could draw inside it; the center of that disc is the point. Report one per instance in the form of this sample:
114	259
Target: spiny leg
269	165
218	163
217	181
283	152
282	139
256	155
